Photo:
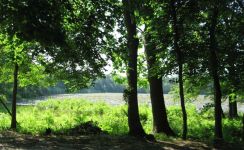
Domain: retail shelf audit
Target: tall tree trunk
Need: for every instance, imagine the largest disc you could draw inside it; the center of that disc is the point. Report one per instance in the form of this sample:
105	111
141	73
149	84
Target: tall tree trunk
135	127
214	73
232	107
160	121
15	86
234	82
180	65
182	101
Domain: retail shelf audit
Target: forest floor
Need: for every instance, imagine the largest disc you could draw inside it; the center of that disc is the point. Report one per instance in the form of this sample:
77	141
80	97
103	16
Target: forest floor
12	140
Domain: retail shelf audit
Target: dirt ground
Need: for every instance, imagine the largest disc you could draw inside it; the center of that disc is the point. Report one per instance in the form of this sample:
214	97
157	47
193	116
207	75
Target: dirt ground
11	140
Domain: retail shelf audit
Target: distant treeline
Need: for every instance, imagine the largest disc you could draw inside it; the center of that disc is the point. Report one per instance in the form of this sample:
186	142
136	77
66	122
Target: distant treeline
108	85
32	91
105	85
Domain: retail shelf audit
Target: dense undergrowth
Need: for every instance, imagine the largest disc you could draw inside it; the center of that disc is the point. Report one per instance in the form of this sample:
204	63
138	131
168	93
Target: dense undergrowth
62	115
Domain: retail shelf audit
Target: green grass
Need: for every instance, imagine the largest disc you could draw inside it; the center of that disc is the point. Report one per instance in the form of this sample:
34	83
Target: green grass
61	115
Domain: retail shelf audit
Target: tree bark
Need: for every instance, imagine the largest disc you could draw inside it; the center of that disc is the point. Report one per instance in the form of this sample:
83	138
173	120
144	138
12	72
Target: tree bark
232	108
135	127
180	65
160	121
15	86
214	73
182	101
234	83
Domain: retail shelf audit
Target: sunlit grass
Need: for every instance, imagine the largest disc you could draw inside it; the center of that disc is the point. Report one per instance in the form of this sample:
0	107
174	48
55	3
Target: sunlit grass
61	115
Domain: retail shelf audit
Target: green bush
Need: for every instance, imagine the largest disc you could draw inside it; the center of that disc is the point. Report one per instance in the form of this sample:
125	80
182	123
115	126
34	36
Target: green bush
4	121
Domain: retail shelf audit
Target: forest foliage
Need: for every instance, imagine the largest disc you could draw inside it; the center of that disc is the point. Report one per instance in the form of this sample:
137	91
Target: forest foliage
70	43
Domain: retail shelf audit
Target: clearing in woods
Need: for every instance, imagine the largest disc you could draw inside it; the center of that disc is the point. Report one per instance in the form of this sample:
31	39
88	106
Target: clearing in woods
117	99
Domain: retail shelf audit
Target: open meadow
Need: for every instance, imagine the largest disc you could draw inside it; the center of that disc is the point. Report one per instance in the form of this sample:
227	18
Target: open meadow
99	121
108	112
117	99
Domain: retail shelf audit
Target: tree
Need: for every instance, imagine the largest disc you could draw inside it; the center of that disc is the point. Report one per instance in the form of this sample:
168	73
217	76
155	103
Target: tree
21	64
214	69
150	38
14	60
135	127
160	121
179	54
231	52
77	39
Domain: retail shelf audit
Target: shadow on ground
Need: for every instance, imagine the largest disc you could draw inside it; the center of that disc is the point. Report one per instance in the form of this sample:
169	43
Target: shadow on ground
13	140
